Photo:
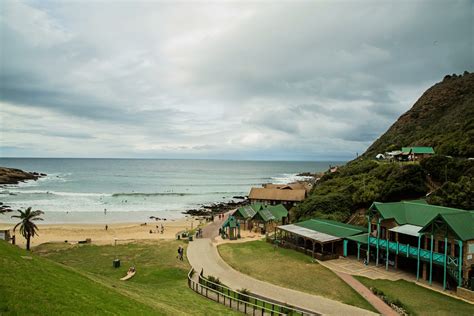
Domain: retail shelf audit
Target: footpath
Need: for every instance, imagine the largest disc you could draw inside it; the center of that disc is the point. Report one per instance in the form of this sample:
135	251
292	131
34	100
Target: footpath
203	255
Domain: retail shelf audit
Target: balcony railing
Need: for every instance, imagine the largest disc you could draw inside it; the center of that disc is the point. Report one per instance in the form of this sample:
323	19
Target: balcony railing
410	251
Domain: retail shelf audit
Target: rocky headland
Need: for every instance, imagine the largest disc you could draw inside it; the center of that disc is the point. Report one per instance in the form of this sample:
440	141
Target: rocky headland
15	176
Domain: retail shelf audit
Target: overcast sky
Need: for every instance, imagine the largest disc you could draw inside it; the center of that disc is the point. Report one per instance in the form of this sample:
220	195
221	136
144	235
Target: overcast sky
315	80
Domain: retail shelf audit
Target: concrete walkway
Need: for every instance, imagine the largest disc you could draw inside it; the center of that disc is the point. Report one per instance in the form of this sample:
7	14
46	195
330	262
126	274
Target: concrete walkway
202	254
373	299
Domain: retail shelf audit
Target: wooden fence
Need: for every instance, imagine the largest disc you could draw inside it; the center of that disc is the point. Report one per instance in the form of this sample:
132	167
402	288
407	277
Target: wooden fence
245	303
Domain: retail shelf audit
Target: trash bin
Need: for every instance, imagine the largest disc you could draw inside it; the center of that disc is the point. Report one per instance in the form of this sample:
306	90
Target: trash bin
116	263
190	238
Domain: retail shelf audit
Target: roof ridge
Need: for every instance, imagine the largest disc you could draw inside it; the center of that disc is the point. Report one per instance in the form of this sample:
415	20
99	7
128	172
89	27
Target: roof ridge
332	224
459	210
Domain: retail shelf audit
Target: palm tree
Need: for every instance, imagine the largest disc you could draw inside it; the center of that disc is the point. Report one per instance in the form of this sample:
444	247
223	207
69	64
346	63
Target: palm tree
27	228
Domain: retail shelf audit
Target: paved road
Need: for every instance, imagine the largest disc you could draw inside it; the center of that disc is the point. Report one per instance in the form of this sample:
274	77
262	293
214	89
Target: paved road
202	254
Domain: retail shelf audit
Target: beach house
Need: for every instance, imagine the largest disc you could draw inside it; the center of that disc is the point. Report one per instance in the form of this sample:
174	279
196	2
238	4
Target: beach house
261	216
434	243
285	195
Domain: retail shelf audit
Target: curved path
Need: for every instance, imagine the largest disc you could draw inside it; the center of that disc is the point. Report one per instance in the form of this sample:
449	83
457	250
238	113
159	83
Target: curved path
203	254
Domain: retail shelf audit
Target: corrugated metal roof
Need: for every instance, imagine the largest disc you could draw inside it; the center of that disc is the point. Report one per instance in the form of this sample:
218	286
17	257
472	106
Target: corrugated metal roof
362	238
265	215
333	228
278	211
309	233
418	150
245	212
407	229
421	214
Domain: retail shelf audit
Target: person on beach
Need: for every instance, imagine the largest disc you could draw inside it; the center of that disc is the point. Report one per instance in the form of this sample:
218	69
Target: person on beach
106	227
162	228
105	211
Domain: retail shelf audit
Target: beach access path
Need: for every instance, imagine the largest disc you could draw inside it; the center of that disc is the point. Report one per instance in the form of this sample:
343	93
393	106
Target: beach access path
203	255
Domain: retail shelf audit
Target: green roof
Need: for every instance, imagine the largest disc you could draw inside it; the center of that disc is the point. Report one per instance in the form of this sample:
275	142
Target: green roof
230	222
362	238
418	150
421	214
462	223
278	211
333	228
265	215
245	212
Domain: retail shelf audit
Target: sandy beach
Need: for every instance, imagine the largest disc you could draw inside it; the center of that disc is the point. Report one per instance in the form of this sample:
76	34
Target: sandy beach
98	235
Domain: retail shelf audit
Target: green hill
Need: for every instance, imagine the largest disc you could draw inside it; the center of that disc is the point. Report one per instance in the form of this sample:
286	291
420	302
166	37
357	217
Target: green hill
60	279
32	285
442	118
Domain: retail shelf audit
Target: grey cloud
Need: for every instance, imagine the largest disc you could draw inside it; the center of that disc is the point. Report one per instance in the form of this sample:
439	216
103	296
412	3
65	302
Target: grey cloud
313	79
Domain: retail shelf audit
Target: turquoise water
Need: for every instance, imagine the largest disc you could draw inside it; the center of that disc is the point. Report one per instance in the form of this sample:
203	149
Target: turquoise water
78	190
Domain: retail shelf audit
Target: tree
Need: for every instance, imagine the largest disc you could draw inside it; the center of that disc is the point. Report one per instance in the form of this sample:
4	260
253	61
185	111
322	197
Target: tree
28	229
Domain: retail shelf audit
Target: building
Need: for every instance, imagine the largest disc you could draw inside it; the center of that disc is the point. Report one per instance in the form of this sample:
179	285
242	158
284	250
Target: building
263	217
435	241
417	153
287	196
5	234
323	239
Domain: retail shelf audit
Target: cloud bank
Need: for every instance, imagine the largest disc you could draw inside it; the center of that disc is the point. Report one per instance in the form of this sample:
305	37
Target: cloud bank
298	81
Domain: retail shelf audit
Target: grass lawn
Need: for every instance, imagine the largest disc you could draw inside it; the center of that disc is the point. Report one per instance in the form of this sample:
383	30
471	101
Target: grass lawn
63	279
419	300
290	269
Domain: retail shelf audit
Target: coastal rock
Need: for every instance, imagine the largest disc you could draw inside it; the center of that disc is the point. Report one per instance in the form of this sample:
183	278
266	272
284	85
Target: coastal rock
216	208
15	176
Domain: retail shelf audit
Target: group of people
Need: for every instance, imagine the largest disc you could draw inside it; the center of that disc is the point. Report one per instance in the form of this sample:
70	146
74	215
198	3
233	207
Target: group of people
180	253
221	216
158	229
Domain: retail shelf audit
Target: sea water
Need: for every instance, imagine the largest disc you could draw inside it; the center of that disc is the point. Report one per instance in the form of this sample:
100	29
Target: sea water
132	190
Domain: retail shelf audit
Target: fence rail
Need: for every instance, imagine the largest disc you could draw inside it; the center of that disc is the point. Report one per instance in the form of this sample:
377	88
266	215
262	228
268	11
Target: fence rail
242	302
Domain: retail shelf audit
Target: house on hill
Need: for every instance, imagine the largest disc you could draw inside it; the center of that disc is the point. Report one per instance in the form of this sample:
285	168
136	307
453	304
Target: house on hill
417	153
287	196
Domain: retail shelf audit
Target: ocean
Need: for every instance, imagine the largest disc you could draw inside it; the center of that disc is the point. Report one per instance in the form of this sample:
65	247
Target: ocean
132	190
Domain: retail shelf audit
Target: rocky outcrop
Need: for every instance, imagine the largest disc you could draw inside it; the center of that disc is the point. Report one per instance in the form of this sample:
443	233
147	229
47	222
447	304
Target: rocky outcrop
15	176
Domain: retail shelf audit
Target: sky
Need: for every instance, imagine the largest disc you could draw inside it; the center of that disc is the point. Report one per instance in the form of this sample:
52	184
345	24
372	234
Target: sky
267	80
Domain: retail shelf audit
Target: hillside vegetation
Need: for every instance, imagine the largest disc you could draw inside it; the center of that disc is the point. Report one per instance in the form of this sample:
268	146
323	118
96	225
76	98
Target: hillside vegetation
443	118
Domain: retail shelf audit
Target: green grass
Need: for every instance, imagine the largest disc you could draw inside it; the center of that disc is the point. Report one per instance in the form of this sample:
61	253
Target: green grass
290	269
420	300
63	279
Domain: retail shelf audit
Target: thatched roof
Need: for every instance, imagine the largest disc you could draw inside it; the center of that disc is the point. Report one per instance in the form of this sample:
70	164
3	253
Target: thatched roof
271	194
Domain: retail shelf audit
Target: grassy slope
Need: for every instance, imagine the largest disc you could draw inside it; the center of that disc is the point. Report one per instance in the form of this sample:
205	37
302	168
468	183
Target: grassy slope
289	269
87	283
41	287
419	300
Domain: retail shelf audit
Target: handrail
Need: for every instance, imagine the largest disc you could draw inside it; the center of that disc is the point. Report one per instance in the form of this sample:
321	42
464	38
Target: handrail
288	310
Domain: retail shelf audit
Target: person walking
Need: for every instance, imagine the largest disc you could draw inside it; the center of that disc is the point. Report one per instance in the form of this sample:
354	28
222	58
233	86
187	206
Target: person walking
106	227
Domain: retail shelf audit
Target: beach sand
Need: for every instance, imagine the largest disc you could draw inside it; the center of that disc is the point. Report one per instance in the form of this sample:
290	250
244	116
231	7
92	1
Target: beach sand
98	235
